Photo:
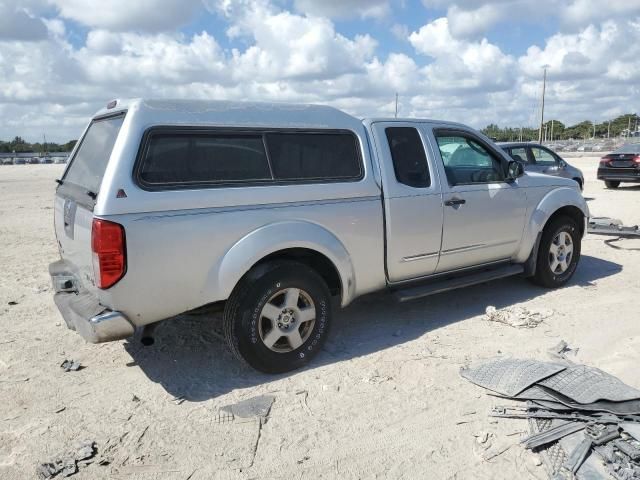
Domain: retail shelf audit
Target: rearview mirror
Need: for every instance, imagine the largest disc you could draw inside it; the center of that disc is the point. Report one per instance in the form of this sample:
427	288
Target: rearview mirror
515	170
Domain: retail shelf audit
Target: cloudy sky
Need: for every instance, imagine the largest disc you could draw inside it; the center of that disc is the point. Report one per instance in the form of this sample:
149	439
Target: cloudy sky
465	60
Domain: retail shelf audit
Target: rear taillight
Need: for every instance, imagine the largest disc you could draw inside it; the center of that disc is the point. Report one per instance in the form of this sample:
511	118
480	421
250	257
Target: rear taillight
636	159
604	161
109	252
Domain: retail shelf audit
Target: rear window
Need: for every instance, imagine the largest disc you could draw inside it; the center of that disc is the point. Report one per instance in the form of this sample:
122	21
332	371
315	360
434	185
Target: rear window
313	156
90	161
629	148
188	158
409	159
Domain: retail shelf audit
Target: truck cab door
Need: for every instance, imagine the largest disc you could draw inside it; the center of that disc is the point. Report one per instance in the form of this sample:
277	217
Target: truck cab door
412	200
484	213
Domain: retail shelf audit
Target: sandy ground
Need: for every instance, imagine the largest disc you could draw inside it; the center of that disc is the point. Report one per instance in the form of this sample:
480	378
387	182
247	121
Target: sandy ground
383	400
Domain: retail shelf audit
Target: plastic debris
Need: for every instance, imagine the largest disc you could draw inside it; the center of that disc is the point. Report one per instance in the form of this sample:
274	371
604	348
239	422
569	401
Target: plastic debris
517	317
584	422
510	376
259	406
71	366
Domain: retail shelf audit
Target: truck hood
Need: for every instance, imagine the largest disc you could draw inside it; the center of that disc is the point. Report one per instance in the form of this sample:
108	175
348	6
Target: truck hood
533	179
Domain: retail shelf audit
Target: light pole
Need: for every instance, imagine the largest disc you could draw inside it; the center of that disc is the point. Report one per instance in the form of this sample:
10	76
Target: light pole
544	86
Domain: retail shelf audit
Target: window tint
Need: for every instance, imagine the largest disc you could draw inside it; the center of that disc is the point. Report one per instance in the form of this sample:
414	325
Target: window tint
467	161
90	161
313	156
201	158
409	159
542	156
519	154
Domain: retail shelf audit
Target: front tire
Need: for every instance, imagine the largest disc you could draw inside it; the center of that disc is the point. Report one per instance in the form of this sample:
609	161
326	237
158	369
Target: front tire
558	253
278	316
612	184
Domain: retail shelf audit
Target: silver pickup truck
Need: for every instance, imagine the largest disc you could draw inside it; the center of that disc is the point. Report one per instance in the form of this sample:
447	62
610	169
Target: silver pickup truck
275	212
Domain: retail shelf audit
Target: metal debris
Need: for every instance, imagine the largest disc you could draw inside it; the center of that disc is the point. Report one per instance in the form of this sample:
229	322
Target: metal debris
577	409
517	317
549	436
71	366
578	456
67	464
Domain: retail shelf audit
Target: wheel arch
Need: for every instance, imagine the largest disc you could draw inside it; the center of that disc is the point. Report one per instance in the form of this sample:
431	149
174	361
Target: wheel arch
302	241
558	202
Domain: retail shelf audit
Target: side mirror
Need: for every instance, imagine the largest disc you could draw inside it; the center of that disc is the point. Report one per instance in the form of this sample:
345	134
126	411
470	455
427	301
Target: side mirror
563	164
515	170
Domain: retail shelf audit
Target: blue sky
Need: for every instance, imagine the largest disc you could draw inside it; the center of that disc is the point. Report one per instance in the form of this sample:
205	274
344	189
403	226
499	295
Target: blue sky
464	60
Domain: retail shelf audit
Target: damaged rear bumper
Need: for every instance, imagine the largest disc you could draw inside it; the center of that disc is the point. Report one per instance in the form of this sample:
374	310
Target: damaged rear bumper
82	311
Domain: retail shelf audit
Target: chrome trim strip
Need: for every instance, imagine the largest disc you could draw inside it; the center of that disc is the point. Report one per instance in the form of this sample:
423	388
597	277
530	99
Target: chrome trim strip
421	256
477	247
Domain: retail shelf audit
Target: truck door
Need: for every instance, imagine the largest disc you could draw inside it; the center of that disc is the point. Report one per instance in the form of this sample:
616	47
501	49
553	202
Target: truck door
412	200
483	213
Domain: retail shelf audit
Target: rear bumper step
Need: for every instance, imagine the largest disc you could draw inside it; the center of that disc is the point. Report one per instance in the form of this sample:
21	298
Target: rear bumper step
82	311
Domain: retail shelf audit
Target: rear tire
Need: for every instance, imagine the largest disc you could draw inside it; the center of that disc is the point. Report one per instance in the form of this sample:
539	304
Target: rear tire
558	253
278	316
612	183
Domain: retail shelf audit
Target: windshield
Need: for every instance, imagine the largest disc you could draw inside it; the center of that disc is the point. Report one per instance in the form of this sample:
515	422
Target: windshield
90	161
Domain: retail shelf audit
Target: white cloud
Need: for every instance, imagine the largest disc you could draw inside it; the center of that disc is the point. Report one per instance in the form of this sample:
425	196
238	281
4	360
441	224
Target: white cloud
581	12
466	23
344	8
454	71
460	64
134	15
16	23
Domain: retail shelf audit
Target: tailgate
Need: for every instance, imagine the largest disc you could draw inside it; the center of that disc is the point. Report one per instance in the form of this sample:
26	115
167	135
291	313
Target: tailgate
76	196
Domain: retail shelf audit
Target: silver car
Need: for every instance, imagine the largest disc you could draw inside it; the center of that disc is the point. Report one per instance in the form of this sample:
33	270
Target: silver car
538	158
276	212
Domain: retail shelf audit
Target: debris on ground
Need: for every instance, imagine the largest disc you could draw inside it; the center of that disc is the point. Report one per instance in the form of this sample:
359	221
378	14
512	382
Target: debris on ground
12	303
71	366
259	406
517	317
561	350
67	464
584	422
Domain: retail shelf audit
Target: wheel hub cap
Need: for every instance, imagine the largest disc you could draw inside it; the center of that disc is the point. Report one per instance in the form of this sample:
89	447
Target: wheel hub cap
561	252
287	320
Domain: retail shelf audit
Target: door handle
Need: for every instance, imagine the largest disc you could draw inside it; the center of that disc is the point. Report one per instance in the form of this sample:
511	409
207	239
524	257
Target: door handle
455	201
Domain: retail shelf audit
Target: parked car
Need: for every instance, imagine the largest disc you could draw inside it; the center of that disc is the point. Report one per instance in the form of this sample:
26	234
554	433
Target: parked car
46	160
538	158
33	161
621	165
7	161
59	160
19	161
276	211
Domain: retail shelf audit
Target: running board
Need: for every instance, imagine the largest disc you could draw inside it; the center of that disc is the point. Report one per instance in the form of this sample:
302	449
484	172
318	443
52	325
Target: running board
444	285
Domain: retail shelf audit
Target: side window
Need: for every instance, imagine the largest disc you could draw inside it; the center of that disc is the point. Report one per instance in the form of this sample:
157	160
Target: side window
408	156
519	154
314	156
466	161
202	158
543	157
